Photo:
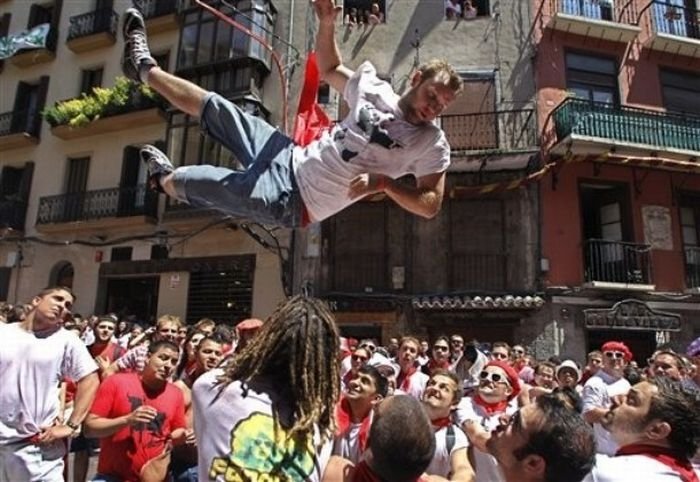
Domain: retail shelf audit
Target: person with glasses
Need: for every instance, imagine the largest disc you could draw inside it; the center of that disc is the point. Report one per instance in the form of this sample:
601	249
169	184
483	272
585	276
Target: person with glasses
354	412
478	415
545	441
440	358
667	363
411	380
358	359
657	428
441	397
605	388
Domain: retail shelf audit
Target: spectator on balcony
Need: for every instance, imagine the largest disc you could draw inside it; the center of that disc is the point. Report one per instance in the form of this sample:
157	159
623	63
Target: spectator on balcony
469	11
385	137
375	15
352	18
453	9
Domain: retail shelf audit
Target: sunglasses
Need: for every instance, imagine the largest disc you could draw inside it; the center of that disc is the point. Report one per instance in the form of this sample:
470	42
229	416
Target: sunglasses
457	342
441	348
519	352
369	347
614	354
359	358
494	377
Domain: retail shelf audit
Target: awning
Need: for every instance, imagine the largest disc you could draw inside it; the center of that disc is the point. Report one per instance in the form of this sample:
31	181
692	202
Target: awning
504	302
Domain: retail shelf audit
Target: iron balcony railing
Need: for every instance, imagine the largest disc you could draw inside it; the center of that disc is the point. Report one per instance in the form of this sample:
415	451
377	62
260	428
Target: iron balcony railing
102	203
13	214
509	130
479	271
673	17
692	266
98	21
613	11
627	124
617	262
21	121
157	8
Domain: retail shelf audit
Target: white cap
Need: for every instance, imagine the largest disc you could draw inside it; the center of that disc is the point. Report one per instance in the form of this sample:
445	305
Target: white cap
379	360
570	364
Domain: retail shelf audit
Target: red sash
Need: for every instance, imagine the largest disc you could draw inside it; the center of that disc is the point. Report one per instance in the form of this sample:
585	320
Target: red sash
404	379
439	423
491	408
342	416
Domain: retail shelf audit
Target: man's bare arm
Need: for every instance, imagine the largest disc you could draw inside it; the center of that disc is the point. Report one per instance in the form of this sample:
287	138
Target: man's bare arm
425	199
330	63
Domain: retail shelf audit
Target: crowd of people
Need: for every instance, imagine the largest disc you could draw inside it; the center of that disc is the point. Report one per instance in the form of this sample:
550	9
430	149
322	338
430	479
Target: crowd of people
456	9
291	399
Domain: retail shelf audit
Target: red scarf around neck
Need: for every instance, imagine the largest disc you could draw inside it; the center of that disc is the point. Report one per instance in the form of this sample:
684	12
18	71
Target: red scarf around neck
666	456
439	423
404	379
434	364
491	408
363	473
344	419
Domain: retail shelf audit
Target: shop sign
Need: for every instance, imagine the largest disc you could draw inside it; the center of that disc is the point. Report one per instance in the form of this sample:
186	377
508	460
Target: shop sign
631	315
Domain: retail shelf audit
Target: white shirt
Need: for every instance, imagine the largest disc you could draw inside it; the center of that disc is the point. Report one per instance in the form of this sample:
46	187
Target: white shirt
598	393
31	370
485	465
348	445
373	138
631	468
415	386
235	430
442	460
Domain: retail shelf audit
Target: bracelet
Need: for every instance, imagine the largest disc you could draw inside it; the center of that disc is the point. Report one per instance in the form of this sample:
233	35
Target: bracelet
73	426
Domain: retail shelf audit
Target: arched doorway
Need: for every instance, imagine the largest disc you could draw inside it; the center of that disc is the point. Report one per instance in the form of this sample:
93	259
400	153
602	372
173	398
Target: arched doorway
62	274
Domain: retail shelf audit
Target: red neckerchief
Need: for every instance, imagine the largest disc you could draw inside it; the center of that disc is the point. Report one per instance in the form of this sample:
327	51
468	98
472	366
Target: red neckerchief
491	408
404	379
666	456
439	423
434	364
363	473
342	416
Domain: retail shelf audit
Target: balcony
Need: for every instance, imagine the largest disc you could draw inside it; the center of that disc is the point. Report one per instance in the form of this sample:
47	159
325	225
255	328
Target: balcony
674	29
601	19
585	127
692	268
29	57
115	208
13	214
503	131
92	30
19	129
617	265
160	15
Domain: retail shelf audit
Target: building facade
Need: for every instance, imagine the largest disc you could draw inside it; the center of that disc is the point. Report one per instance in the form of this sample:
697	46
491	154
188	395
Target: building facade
74	205
618	101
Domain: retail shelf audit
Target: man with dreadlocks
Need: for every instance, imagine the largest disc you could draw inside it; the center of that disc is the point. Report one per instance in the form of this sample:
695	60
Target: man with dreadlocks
269	411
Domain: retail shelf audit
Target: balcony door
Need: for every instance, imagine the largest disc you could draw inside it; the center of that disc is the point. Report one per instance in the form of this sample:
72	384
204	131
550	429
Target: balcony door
76	185
134	198
471	122
690	234
27	106
592	78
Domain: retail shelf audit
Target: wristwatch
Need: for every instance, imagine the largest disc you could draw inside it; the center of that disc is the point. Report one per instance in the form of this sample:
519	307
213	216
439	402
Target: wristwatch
74	427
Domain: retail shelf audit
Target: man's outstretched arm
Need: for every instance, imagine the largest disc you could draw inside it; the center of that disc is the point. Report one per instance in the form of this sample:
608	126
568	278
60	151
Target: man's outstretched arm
330	63
425	199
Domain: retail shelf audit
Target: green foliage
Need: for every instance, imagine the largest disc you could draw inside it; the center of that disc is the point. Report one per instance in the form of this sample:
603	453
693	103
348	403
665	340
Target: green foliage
125	96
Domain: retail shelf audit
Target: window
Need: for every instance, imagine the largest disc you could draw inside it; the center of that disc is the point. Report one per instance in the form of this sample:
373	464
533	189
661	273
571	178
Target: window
592	78
91	78
76	184
205	39
690	234
471	122
681	91
187	145
5	275
466	9
364	12
121	253
324	93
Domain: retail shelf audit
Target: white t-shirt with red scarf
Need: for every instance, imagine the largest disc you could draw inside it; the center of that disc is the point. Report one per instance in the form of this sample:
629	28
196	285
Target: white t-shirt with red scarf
488	416
413	383
633	468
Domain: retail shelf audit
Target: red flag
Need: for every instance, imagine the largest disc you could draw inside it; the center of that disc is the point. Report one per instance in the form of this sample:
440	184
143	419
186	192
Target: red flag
311	120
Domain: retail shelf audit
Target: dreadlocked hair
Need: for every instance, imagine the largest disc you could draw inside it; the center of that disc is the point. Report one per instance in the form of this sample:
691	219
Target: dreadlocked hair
296	347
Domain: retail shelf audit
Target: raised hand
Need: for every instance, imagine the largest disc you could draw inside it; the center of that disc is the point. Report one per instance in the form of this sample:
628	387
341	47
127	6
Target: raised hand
326	10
